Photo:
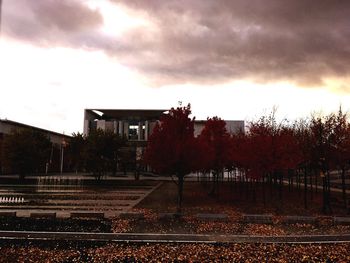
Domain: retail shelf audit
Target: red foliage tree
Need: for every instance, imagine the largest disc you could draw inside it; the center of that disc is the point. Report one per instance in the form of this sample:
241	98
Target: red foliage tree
218	144
172	148
339	141
260	150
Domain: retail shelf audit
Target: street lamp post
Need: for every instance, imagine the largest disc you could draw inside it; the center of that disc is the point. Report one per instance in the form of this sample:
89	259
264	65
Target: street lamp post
63	144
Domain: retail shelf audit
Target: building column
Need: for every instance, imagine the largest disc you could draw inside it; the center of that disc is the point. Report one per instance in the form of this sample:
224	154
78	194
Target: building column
126	130
115	127
139	135
120	128
146	130
86	127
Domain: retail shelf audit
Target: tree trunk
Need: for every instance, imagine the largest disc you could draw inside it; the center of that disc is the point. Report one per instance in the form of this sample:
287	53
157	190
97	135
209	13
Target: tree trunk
247	187
316	188
21	177
329	191
289	180
180	192
324	204
214	185
326	194
311	185
343	187
253	187
270	185
305	188
280	185
263	190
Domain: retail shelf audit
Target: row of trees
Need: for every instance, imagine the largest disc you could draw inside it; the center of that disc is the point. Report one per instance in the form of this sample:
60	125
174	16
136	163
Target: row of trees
98	153
270	152
28	151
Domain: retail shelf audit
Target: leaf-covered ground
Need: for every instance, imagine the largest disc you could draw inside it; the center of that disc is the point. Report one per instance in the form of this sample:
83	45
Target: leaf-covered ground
196	201
240	198
180	253
190	224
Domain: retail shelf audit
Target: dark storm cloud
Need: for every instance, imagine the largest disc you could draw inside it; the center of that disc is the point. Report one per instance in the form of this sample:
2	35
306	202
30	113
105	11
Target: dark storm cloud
207	41
49	22
303	41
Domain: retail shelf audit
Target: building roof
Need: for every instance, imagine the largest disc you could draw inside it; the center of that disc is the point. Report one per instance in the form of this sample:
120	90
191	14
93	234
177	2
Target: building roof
127	113
22	125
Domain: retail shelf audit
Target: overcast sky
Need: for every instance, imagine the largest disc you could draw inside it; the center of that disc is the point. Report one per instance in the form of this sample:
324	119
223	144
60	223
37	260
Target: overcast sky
232	58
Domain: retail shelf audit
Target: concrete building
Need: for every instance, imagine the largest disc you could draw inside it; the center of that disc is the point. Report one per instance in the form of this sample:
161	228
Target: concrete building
231	126
137	125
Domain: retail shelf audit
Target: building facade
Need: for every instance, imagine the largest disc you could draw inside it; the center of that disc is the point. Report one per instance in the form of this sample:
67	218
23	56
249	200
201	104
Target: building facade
134	125
137	125
233	127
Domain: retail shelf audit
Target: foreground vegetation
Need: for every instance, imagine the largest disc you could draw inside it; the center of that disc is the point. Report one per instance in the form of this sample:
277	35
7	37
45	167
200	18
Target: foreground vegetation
176	253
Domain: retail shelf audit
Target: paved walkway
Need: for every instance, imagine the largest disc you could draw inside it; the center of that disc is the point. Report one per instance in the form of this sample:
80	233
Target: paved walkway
319	187
63	199
168	238
83	176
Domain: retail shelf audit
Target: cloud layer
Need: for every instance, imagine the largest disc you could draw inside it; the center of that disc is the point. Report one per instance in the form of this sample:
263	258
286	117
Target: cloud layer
302	41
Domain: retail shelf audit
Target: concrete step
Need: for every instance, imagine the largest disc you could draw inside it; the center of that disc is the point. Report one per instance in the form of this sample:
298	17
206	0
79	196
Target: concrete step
65	208
87	214
299	219
338	220
257	218
91	202
7	213
212	217
49	215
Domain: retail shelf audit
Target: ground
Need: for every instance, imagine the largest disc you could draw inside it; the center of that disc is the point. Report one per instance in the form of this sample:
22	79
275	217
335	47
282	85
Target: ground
197	200
177	253
238	198
231	200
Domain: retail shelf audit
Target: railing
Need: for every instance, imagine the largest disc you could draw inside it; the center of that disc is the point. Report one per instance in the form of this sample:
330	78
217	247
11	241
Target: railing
11	200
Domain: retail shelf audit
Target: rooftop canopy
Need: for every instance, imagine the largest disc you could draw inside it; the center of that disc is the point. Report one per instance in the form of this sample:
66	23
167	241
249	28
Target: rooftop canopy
126	114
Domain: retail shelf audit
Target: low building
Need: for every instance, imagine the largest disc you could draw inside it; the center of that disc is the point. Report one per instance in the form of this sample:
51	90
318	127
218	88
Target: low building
232	127
7	126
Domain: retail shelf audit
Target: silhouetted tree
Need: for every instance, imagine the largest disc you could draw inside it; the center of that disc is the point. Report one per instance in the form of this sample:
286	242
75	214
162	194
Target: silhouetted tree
26	151
340	147
76	151
215	136
102	152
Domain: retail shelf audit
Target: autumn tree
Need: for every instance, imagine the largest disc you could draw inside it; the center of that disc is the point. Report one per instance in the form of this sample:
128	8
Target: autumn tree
340	146
172	147
218	144
26	151
321	153
76	150
266	152
102	152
